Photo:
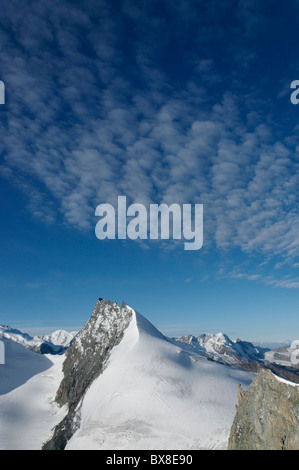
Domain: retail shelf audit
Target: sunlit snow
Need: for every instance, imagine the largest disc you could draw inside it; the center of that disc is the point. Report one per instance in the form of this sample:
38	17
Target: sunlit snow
155	395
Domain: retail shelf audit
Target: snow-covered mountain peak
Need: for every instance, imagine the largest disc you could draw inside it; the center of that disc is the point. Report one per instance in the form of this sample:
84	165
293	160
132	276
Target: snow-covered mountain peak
91	347
14	334
219	338
153	393
222	338
127	385
221	348
54	343
59	337
146	327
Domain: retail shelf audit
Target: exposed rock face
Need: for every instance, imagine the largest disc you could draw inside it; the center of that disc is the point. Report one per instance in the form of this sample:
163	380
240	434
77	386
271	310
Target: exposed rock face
267	416
85	360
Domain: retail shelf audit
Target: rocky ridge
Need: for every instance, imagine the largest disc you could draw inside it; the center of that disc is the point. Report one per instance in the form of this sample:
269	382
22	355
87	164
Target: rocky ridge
85	360
267	416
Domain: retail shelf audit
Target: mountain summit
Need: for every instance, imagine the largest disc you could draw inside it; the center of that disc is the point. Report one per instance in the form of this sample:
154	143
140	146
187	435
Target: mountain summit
86	358
126	385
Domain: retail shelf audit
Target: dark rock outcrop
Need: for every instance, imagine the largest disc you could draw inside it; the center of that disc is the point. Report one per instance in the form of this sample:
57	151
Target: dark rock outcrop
85	360
267	416
46	348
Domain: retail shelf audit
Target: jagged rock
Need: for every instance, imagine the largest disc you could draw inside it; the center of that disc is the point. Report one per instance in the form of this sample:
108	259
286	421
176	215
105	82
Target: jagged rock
85	360
267	416
45	348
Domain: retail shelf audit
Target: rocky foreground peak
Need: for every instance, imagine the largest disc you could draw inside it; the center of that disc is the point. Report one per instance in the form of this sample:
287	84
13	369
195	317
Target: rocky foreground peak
86	359
88	354
267	416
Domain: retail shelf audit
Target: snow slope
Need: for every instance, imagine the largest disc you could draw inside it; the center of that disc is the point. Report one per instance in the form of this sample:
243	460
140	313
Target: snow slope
155	394
28	384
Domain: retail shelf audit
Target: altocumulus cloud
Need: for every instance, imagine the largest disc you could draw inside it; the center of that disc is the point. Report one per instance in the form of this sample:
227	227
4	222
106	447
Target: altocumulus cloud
122	98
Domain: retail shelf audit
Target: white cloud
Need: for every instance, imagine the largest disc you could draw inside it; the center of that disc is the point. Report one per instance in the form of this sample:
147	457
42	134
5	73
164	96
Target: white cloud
80	133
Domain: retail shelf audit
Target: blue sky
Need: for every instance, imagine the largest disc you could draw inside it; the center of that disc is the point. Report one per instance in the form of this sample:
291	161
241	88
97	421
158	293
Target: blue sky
182	101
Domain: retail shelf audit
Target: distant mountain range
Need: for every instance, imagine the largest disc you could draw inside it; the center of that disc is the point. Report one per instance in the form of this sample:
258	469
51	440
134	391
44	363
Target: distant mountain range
217	347
55	343
220	348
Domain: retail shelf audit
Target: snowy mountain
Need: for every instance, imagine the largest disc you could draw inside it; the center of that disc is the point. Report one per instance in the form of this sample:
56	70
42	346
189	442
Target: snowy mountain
273	344
54	343
28	383
143	391
281	356
121	384
219	347
59	338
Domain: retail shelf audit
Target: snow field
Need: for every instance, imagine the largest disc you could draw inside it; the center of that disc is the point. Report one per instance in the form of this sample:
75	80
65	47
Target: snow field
28	385
155	395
